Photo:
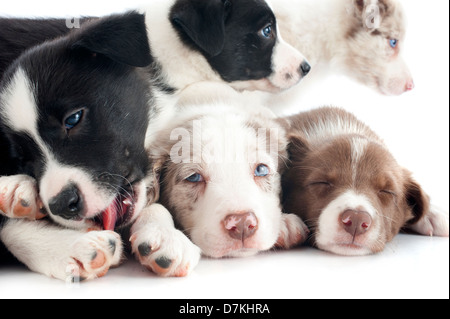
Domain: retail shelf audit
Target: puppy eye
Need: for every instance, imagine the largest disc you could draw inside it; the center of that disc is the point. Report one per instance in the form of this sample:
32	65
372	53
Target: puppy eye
387	192
267	31
326	184
262	171
73	120
393	43
195	178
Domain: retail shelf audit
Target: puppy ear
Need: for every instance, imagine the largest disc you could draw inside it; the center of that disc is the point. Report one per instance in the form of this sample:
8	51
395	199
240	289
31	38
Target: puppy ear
121	38
203	22
298	147
418	202
371	12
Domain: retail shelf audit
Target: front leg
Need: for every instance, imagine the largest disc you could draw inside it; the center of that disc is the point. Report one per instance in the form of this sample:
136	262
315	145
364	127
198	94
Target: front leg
433	223
293	232
160	247
65	254
19	198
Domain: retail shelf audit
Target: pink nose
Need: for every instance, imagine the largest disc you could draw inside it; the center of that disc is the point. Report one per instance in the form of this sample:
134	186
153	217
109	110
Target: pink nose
410	85
241	226
356	223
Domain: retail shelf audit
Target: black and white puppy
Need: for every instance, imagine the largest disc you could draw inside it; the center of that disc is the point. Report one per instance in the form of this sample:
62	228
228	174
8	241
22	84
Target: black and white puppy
232	41
229	43
76	113
236	42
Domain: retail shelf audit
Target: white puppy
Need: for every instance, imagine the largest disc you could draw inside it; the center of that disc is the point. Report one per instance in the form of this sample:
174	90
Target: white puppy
220	178
363	38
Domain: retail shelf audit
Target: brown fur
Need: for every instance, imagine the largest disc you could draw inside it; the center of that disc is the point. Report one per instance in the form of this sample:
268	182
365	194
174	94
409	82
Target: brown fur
324	165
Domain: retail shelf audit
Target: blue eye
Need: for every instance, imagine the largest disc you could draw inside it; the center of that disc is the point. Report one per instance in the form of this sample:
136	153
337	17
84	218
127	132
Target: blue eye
267	31
195	178
262	171
73	120
393	43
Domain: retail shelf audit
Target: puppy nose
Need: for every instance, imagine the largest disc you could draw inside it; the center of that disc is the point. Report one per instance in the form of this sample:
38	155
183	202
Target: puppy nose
67	204
409	85
305	68
241	226
356	222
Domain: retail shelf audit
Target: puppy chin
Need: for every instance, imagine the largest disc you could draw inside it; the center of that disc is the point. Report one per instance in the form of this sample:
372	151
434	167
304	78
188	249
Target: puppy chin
230	253
346	249
265	85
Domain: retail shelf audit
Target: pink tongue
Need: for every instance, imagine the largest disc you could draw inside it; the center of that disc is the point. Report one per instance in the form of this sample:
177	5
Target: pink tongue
110	218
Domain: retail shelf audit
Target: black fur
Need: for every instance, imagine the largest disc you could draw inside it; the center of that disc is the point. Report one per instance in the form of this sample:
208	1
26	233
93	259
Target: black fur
84	71
228	34
17	36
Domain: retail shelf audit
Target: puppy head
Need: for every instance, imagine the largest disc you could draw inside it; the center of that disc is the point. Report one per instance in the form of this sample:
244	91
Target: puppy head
240	40
352	194
225	191
75	111
374	44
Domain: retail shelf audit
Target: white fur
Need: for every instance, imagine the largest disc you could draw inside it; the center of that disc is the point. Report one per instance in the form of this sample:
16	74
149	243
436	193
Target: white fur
61	253
435	223
155	228
331	237
17	191
226	153
19	106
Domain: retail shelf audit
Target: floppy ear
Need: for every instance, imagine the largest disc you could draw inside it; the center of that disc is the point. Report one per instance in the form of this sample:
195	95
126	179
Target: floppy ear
427	220
203	22
418	202
297	148
121	38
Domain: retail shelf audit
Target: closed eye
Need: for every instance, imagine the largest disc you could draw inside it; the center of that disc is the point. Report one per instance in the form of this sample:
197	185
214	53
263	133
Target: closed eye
321	183
388	192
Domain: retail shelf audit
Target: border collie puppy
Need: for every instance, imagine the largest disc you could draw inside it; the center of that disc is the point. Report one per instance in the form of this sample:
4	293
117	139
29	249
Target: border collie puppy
76	112
226	41
220	177
362	38
348	188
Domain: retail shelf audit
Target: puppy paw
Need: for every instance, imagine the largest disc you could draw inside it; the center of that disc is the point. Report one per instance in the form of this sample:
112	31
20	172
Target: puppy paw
293	232
435	223
93	255
165	251
19	198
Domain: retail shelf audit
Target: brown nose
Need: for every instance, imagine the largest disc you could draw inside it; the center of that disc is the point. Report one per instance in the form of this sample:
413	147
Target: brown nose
356	222
241	226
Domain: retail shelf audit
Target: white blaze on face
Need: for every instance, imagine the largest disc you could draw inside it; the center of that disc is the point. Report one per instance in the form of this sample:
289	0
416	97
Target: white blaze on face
228	166
19	106
332	237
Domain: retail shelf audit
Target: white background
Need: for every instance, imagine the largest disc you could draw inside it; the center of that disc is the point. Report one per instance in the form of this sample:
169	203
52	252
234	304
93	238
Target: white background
416	128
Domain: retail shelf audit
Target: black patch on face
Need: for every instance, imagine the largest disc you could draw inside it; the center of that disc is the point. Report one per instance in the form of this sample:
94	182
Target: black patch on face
85	72
229	33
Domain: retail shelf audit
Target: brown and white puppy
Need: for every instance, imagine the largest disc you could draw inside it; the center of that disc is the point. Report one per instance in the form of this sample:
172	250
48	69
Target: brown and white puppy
221	180
348	188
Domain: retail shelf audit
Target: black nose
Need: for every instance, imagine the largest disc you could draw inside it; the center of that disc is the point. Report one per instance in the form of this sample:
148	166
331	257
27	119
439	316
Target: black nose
67	204
305	68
